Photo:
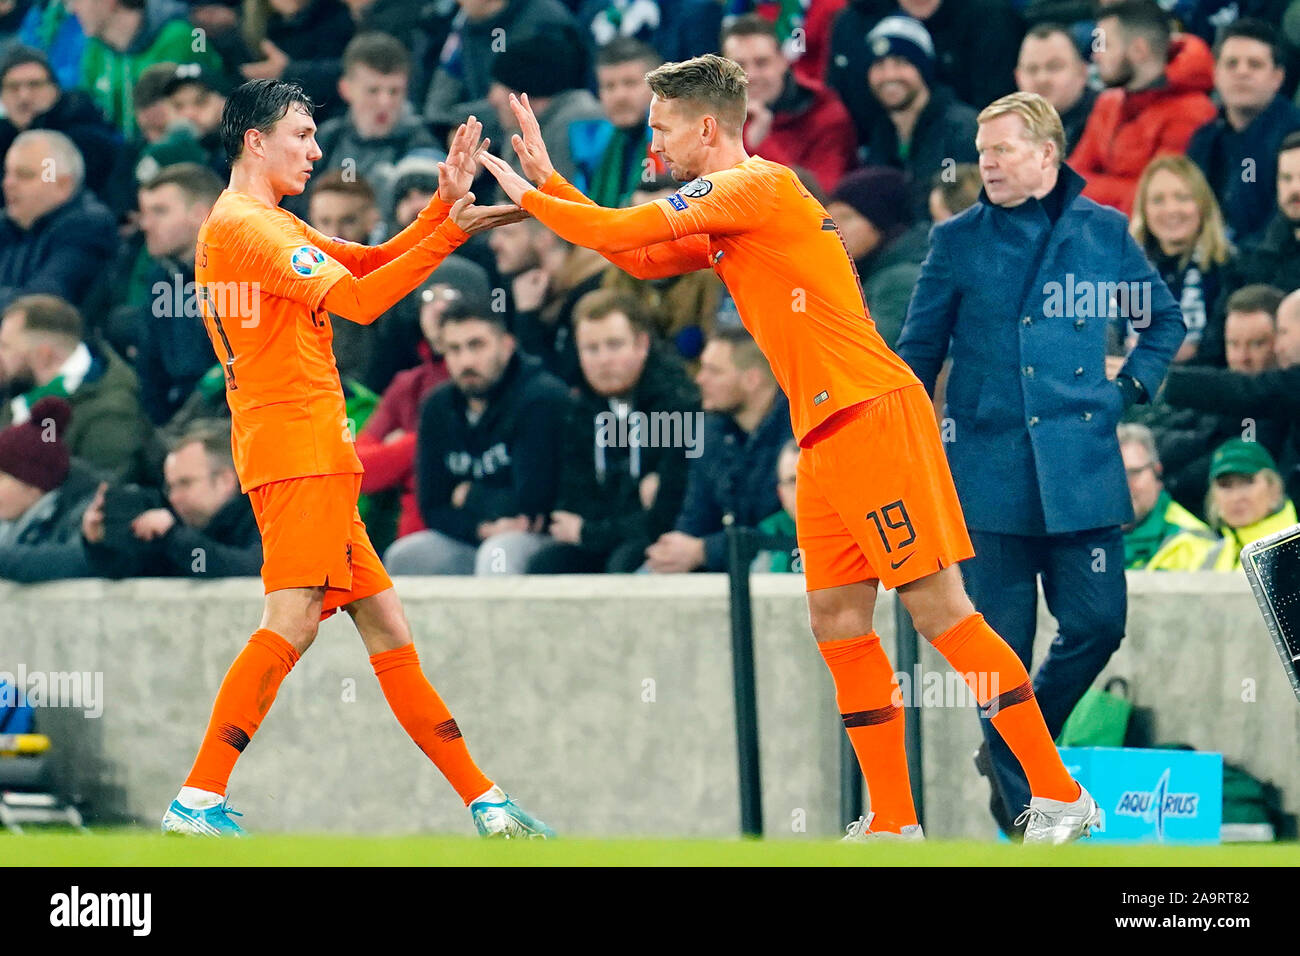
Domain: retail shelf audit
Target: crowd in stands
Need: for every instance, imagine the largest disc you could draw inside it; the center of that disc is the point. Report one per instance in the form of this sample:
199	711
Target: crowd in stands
533	409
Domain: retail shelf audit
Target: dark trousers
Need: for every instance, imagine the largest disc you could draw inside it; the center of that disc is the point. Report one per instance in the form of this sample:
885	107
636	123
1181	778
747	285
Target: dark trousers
1085	589
561	558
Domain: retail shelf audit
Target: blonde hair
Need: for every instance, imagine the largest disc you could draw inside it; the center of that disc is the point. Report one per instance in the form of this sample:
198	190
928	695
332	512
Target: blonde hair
1214	517
714	83
1211	247
1042	122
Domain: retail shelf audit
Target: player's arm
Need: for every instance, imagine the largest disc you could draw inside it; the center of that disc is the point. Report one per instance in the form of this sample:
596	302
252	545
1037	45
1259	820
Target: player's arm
657	261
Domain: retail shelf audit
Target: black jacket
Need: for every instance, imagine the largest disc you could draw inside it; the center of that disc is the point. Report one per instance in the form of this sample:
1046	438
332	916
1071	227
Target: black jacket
945	131
1075	118
51	548
1274	394
1223	153
230	546
510	455
600	477
60	254
736	475
74	115
1274	261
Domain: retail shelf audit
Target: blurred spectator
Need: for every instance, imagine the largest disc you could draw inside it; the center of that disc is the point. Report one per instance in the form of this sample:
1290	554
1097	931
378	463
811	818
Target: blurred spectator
1251	397
1180	228
746	424
32	99
621	486
1275	259
1247	502
298	41
790	120
464	72
1051	66
1156	516
160	140
976	72
1156	98
207	528
49	26
873	210
1187	436
954	191
173	350
547	277
197	98
415	180
924	127
551	69
43	494
124	38
55	235
42	353
611	156
1237	150
379	128
682	308
487	453
1031	413
386	446
781	524
1208	18
343	206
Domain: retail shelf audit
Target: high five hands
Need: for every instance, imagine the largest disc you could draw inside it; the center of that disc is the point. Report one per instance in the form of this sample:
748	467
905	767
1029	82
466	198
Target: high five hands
456	175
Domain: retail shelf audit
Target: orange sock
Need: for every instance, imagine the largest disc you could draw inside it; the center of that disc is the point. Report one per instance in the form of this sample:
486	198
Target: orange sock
245	696
982	658
864	691
425	717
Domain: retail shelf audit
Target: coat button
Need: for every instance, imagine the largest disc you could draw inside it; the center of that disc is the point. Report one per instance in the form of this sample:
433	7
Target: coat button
1086	416
1033	421
1029	371
1078	323
1078	372
1026	321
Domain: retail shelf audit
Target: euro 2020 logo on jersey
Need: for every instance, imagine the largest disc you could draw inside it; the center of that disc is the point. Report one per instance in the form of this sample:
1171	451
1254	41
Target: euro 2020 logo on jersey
696	188
306	261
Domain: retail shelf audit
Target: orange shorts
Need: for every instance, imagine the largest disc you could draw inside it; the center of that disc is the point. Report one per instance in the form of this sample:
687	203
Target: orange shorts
875	496
312	535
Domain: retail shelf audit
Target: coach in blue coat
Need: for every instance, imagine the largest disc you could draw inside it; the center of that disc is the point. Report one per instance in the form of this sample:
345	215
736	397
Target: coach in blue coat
1020	291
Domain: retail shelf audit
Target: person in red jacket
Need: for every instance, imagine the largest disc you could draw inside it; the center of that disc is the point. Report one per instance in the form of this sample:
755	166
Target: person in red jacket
386	445
791	120
1157	98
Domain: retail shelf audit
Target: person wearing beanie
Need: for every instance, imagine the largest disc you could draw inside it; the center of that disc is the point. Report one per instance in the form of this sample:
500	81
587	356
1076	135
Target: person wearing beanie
791	120
30	98
925	128
43	494
550	69
873	209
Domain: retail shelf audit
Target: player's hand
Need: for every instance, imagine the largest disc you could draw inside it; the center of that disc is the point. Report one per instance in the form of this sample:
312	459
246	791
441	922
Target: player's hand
475	219
566	526
92	519
456	174
529	289
675	553
152	524
528	143
512	184
459	494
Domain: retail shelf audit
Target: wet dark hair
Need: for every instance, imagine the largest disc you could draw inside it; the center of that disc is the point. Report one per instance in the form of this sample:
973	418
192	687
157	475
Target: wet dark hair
259	105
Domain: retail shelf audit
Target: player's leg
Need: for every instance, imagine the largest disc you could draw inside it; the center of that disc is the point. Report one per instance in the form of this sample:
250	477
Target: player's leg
289	622
841	603
386	633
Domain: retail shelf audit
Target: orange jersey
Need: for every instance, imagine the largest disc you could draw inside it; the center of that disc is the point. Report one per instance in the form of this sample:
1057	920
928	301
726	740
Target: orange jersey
783	261
263	276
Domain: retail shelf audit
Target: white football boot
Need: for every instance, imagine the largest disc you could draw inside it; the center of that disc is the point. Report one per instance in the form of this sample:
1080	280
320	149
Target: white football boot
859	831
1056	822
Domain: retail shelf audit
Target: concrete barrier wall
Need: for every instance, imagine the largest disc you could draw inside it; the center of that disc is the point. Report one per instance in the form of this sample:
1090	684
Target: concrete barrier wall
604	703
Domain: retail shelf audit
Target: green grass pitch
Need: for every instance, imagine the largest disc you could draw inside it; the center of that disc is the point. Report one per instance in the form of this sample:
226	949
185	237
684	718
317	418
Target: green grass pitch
136	848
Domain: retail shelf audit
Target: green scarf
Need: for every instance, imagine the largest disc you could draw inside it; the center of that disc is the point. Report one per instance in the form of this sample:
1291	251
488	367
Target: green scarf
617	176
